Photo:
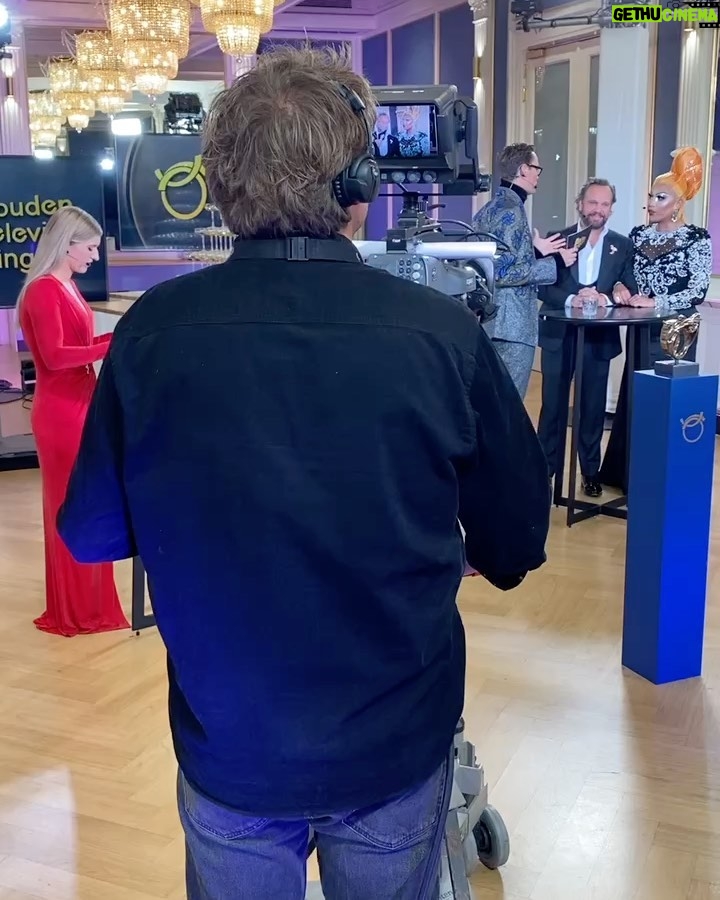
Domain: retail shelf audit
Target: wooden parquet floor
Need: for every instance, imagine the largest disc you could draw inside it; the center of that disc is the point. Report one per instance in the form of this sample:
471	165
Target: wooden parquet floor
610	786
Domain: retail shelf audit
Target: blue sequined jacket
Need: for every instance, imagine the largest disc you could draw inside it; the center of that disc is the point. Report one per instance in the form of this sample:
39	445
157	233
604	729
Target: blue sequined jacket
517	272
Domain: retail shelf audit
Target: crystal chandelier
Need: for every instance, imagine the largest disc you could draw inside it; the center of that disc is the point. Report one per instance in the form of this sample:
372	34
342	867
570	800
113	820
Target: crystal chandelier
101	66
46	119
151	37
71	92
237	24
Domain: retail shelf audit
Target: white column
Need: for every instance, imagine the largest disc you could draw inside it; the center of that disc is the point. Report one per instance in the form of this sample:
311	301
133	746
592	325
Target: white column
14	125
698	73
624	135
356	55
483	68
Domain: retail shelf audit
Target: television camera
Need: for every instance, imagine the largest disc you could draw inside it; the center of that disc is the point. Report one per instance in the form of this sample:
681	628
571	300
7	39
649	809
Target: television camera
427	136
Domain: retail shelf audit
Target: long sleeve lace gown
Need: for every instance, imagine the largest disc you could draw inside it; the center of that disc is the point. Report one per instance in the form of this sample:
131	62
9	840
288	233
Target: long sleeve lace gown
674	268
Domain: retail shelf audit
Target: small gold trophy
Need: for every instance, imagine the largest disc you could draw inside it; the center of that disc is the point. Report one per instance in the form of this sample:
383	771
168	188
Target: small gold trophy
676	339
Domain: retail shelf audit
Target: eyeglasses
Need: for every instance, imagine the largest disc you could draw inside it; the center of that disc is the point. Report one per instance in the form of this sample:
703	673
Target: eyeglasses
538	168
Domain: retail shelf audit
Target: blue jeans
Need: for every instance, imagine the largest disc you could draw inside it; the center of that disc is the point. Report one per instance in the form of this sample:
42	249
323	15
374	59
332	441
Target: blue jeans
386	852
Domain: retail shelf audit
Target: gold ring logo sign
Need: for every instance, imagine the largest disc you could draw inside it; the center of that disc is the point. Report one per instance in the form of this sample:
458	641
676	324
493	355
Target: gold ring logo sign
178	176
693	428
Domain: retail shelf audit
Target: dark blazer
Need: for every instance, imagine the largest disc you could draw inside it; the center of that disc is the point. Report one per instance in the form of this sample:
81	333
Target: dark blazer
393	147
616	264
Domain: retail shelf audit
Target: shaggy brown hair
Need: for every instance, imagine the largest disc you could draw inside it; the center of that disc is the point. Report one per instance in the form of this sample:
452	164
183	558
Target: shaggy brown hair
275	140
512	158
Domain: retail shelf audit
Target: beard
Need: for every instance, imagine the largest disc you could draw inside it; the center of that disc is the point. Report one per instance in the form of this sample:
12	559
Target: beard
596	221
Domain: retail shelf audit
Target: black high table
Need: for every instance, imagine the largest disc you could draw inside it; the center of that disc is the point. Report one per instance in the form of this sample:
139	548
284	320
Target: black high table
639	322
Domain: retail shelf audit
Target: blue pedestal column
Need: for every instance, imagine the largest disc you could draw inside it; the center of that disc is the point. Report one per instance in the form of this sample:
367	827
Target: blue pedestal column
668	531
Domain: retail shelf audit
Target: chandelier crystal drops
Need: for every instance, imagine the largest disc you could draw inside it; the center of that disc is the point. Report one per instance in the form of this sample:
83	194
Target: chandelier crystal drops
71	92
102	67
151	37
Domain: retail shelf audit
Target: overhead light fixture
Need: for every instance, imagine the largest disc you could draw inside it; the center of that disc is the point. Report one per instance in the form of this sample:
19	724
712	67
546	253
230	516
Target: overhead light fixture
126	127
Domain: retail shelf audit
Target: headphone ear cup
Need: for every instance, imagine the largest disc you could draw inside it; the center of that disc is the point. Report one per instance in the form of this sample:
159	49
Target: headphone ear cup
359	183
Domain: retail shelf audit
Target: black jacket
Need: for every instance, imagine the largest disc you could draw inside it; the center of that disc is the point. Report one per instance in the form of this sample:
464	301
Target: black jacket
289	446
615	265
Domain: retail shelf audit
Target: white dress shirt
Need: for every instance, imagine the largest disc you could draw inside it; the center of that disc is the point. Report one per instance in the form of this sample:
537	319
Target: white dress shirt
588	262
381	139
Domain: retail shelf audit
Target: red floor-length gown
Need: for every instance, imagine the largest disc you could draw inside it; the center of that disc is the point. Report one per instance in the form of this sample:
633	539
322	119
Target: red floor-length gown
57	325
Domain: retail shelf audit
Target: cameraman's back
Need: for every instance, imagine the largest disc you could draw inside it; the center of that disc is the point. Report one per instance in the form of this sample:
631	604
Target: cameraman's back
292	436
298	441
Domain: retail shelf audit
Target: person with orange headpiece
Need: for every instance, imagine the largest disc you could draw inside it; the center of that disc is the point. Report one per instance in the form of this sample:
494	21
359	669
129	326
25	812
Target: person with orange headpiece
672	265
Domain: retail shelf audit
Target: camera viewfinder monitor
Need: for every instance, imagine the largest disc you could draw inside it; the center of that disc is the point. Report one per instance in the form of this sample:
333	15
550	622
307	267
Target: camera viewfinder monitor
406	132
414	138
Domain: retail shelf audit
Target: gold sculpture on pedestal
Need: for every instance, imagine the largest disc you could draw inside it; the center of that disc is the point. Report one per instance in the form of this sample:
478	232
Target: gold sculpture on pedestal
678	335
676	338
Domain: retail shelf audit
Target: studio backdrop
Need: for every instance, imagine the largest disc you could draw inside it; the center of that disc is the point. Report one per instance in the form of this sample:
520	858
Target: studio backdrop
162	192
31	190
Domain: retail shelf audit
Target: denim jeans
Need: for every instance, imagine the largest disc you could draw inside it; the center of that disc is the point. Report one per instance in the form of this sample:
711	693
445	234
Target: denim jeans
386	852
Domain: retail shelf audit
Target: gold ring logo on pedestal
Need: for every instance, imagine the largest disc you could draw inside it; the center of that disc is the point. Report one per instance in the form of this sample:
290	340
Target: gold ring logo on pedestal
181	175
693	428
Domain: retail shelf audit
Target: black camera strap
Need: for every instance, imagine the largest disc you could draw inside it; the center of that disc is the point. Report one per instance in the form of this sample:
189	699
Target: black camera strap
300	249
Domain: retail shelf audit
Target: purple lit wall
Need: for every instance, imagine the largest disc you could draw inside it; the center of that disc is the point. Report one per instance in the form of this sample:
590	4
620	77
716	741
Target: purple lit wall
375	69
714	211
140	278
457	49
413	62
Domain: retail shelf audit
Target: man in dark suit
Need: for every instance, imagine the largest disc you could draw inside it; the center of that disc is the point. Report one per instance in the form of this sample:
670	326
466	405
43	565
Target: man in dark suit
603	268
385	143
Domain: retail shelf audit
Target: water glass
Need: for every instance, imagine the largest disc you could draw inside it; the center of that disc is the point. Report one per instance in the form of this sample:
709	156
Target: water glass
589	307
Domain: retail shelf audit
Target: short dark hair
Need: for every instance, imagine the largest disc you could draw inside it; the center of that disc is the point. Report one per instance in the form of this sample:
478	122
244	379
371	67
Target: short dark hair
591	182
275	140
512	157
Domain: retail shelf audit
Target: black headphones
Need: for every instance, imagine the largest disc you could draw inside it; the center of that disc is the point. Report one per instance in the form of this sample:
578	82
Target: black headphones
360	181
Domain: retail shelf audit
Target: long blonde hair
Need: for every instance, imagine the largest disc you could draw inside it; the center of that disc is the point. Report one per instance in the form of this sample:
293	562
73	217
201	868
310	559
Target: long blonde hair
69	225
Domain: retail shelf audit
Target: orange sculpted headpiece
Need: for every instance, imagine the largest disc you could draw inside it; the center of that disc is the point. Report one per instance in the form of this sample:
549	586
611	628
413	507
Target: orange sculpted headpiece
686	174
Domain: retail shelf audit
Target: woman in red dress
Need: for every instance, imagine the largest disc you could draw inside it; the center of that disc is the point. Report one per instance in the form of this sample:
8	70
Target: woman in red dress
57	325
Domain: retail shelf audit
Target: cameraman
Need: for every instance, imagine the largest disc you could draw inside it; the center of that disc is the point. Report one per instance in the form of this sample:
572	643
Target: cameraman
288	444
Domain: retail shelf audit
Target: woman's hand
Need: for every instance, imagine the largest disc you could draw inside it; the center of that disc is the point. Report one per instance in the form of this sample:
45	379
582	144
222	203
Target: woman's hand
641	301
621	294
548	245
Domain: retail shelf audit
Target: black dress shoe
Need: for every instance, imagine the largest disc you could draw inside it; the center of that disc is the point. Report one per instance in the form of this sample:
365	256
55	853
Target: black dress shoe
591	487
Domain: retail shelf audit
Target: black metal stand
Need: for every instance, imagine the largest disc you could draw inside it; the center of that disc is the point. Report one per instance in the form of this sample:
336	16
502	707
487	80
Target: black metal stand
139	618
580	510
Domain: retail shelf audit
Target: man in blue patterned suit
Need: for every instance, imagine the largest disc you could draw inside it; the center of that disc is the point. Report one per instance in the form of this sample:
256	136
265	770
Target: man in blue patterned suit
527	263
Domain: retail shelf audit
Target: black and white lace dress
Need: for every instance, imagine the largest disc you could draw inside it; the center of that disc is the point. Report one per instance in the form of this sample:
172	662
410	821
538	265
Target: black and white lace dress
674	267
